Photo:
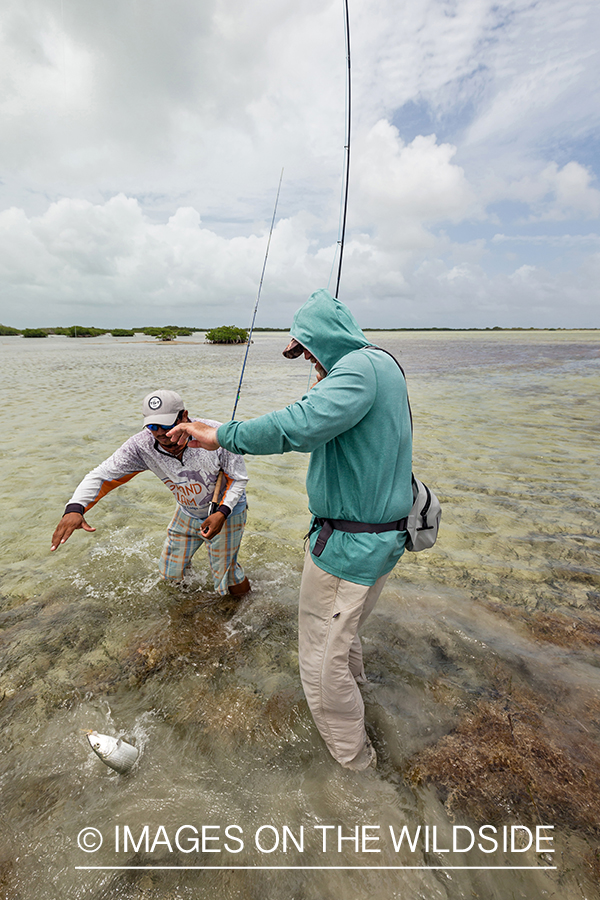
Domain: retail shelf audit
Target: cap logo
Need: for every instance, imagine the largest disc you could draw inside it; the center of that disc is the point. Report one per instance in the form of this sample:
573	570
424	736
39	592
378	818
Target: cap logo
155	403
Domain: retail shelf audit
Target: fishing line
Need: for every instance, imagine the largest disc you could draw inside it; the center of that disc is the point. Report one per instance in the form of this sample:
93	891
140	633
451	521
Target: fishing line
257	299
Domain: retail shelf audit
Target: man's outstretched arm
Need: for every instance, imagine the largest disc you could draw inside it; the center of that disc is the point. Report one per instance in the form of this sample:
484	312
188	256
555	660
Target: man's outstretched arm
201	435
69	523
113	472
330	408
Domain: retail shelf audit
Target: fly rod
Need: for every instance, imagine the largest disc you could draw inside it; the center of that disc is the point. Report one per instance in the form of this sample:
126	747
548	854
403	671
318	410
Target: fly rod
214	503
346	145
346	172
257	299
215	500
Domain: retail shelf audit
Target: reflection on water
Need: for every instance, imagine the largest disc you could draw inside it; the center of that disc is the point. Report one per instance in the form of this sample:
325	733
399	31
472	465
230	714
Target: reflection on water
483	700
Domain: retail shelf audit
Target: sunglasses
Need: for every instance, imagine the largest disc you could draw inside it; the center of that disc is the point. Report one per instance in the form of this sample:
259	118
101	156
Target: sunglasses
164	427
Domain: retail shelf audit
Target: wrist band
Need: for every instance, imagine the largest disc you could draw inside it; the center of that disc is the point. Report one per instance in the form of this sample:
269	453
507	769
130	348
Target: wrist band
74	507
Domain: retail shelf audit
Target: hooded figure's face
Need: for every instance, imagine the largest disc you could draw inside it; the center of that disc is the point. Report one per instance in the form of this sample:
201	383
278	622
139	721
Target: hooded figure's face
321	372
325	329
294	349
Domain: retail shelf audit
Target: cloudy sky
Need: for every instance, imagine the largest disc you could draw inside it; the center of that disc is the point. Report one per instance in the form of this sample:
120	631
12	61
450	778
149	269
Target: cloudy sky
143	140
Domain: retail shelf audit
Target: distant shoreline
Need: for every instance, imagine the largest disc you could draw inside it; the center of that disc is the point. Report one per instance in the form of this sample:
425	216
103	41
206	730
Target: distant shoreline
9	331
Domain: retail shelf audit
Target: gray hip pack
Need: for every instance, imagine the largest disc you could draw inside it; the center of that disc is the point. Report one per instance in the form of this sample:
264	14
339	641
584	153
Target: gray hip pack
421	524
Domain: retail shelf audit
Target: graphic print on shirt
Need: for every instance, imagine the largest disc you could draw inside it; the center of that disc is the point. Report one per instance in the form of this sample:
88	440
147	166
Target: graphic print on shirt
191	480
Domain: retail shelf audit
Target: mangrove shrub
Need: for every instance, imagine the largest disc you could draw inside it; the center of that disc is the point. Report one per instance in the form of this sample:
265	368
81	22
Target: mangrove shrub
227	334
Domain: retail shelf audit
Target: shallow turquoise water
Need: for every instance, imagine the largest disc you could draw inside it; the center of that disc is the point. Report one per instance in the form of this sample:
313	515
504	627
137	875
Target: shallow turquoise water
506	428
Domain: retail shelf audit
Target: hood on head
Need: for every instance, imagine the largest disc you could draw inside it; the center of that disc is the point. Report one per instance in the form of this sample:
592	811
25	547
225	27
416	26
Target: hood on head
327	328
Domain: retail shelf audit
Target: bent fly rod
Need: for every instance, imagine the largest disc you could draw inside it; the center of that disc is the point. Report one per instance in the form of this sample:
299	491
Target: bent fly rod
214	504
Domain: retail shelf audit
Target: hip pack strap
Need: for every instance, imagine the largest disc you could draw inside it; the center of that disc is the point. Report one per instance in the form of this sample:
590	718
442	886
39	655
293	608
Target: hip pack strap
327	527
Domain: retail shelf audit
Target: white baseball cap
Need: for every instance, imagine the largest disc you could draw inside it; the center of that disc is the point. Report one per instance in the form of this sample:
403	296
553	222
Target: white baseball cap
161	407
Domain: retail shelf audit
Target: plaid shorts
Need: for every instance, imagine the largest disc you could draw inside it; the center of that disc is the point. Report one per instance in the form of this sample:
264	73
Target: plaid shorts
184	538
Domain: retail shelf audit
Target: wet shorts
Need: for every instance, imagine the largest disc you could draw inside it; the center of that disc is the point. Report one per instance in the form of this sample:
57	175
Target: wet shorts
184	538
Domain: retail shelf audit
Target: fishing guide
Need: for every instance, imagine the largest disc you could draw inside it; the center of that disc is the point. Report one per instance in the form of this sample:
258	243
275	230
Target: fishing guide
191	475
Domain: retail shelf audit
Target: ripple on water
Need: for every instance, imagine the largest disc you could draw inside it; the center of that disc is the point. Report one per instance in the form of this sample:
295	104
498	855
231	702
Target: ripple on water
481	655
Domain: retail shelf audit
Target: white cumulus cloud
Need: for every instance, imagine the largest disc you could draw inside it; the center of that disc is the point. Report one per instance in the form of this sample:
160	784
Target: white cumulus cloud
142	145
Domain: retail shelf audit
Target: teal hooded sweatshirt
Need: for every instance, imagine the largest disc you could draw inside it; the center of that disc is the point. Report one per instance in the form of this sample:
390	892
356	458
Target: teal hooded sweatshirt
356	425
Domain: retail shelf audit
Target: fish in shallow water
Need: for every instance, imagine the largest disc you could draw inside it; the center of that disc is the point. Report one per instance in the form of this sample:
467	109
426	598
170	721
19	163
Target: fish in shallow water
114	752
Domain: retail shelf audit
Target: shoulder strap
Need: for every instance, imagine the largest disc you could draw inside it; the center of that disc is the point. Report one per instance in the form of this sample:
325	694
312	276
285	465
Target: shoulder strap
375	347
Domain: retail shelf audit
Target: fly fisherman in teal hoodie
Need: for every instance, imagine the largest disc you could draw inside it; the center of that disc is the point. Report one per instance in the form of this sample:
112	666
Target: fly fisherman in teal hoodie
355	423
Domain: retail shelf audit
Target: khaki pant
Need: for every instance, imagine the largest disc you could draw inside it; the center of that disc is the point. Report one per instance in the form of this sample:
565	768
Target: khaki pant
330	656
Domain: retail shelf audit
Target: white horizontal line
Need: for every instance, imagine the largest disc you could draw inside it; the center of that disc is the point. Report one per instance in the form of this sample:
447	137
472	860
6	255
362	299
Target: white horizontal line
320	868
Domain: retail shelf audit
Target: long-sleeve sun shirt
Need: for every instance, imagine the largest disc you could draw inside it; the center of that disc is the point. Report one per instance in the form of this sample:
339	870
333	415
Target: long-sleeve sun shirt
191	480
356	425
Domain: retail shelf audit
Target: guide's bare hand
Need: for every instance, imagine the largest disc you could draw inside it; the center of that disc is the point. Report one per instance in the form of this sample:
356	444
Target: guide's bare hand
212	525
201	435
69	523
